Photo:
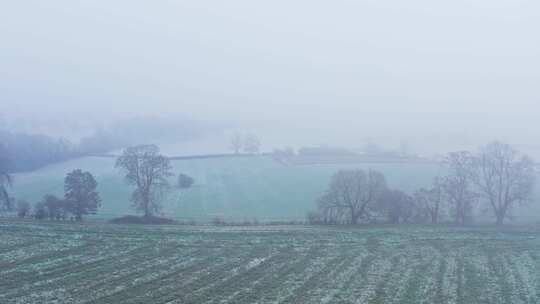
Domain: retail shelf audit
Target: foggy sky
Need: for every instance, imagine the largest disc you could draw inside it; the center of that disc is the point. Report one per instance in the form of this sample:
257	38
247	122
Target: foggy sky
429	72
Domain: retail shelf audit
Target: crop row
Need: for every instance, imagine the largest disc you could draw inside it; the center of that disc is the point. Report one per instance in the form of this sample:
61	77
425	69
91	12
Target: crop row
124	264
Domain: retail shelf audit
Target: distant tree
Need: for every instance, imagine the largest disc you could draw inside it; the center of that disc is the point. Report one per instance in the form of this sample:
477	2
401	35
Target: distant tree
329	212
40	212
80	194
504	178
218	221
354	193
237	142
458	186
23	208
55	207
430	201
314	218
252	144
184	181
397	206
148	171
5	180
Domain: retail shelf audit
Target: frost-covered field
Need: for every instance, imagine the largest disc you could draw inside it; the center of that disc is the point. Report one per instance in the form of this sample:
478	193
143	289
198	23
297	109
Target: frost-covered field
63	263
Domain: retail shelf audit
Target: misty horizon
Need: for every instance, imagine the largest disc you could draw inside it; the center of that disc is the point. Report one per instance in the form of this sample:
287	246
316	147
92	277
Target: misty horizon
286	151
440	77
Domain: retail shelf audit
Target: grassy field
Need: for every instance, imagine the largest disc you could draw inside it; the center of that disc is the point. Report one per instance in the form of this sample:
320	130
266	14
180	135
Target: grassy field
69	263
235	188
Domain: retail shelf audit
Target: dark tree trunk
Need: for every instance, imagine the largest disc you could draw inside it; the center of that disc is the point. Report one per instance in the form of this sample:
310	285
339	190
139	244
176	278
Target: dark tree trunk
146	203
500	219
354	218
435	216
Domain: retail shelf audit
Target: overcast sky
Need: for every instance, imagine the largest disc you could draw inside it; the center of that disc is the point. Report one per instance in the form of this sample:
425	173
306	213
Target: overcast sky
442	72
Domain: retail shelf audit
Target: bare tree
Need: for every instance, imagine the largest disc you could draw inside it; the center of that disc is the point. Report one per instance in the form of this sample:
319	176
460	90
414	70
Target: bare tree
457	186
6	180
184	182
314	218
430	201
252	144
330	213
353	192
397	206
504	178
40	212
23	208
80	193
237	142
55	207
5	183
148	171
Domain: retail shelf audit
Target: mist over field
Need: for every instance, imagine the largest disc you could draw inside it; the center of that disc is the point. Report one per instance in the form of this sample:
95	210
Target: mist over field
438	76
240	151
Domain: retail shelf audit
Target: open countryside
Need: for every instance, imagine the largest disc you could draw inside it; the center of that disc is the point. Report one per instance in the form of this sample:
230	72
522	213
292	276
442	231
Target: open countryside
270	152
233	188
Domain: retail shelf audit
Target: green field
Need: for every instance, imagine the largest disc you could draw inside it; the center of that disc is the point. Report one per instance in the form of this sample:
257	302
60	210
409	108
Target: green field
233	188
71	263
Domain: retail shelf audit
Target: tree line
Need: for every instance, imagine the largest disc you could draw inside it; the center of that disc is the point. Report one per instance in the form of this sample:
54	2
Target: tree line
26	152
144	167
248	144
80	199
496	179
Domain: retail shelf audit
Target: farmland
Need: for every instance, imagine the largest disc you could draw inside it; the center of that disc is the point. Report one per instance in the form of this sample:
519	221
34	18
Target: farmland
91	263
232	188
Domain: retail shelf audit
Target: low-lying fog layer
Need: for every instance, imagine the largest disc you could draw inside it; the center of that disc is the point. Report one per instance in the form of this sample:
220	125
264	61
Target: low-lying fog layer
439	76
